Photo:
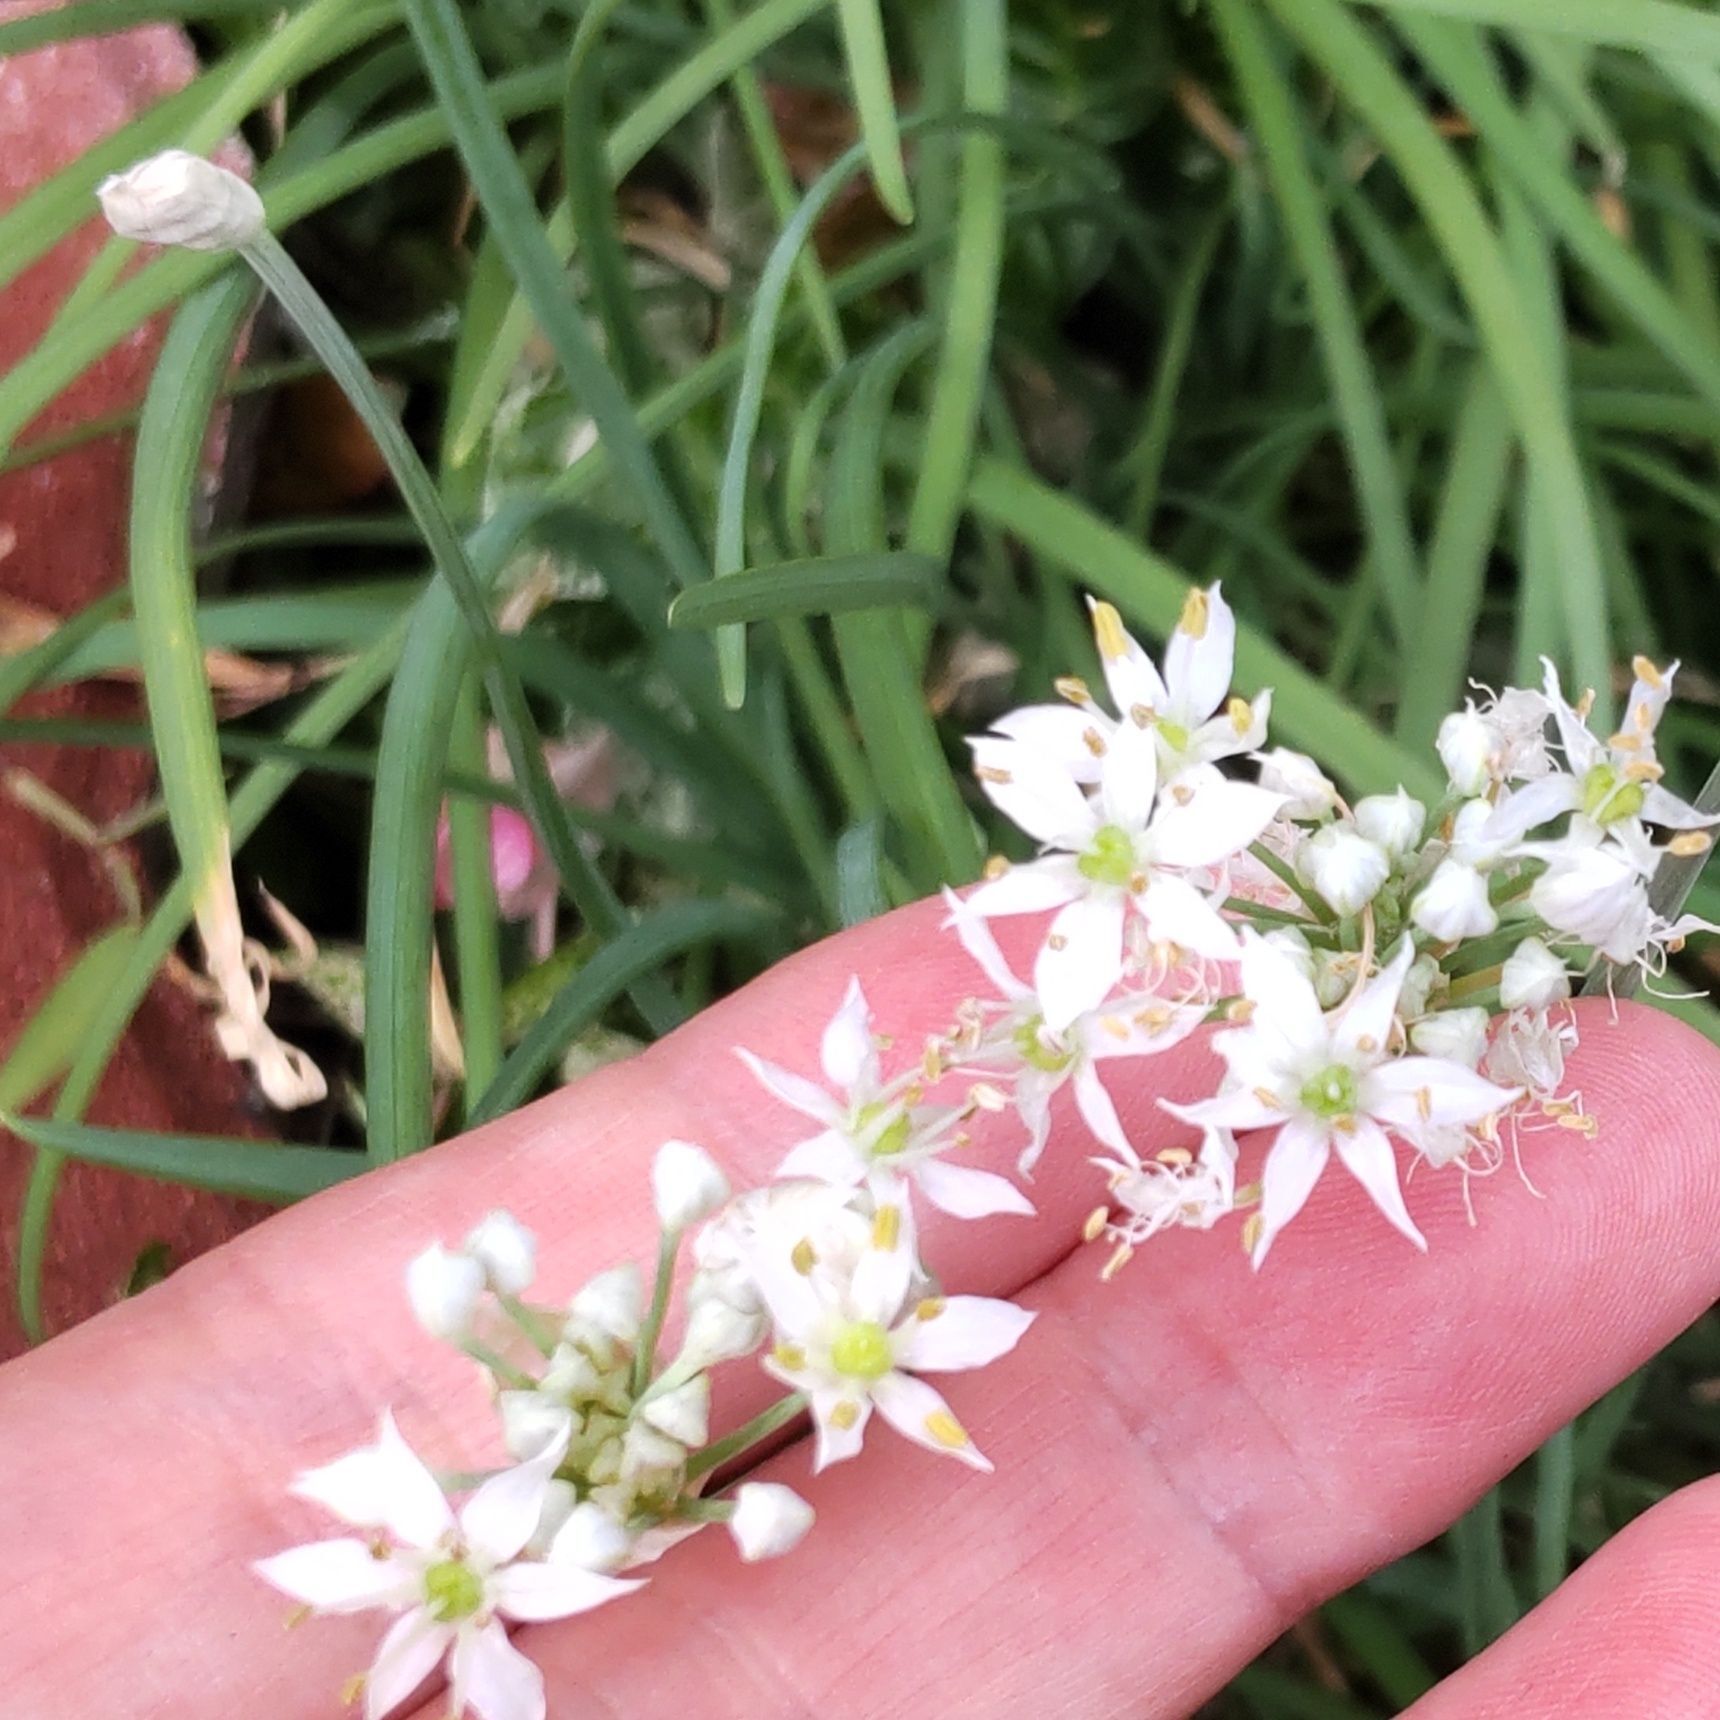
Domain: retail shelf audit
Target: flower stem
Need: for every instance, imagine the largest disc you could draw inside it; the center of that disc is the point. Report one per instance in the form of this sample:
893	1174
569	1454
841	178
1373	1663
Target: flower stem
541	1329
645	1355
1281	870
761	1427
504	1371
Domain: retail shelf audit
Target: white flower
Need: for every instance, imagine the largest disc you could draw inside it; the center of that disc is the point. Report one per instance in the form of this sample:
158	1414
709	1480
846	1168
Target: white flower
1308	792
531	1420
1529	1050
506	1250
1172	1188
1290	942
613	1303
687	1183
869	1133
589	1537
444	1289
1394	821
1533	977
1045	1061
1459	1035
178	199
1466	744
1597	895
1327	1082
684	1413
1345	868
853	1337
451	1579
769	1520
718	1331
1454	904
1128	848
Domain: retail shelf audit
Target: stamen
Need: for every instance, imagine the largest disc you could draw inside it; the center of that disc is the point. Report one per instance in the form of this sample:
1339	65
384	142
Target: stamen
887	1228
1119	1259
1094	742
1108	631
1241	715
992	773
1074	689
1194	615
946	1430
994	868
1646	671
1688	842
1178	1156
802	1257
845	1415
1096	1220
930	1308
1142	716
789	1357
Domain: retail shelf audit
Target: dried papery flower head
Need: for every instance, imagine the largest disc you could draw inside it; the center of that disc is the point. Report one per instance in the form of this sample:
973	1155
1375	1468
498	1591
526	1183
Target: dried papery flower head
176	198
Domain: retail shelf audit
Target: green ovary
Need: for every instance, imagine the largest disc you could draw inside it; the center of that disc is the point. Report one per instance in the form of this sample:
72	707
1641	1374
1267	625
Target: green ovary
1109	858
1034	1052
452	1591
892	1138
1174	735
1608	797
1331	1093
862	1351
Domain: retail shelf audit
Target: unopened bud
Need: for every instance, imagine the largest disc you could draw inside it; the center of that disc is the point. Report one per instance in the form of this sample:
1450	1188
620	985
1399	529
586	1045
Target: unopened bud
613	1302
1394	821
769	1519
175	198
1533	977
1466	745
1453	904
1344	867
1457	1034
684	1414
718	1331
443	1288
688	1184
1309	792
506	1250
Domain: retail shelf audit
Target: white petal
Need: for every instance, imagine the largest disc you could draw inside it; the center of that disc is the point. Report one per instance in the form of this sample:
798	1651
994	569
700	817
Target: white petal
837	1444
1140	1025
1536	803
1413	1091
1032	792
1365	1150
1241	1110
885	1268
965	1332
1033	888
828	1157
406	1656
339	1576
1176	912
846	1052
963	1192
1219	820
1061	734
1292	1168
1129	672
1080	959
1661	807
1097	1110
494	1679
1128	777
1287	1012
1198	670
498	1520
1364	1025
806	1097
381	1486
531	1592
977	940
919	1413
1581	748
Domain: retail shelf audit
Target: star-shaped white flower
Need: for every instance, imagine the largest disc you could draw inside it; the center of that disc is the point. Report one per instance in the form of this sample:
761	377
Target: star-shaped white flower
870	1133
452	1579
1172	1188
1329	1081
1044	1061
854	1332
1126	848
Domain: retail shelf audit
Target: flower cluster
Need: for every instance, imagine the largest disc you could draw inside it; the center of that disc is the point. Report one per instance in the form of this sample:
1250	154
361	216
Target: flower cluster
1387	983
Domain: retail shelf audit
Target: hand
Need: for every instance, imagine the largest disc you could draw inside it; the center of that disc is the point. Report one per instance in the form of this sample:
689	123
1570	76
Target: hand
1189	1458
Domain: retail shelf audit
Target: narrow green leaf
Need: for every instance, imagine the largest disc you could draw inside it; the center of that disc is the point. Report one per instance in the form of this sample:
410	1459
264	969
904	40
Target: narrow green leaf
1656	26
875	101
817	585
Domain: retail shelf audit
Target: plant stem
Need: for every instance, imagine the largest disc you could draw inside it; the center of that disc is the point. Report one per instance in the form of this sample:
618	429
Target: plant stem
645	1353
751	1433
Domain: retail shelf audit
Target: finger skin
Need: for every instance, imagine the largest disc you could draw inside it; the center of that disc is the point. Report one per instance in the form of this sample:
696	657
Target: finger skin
150	1449
1635	1631
1193	1456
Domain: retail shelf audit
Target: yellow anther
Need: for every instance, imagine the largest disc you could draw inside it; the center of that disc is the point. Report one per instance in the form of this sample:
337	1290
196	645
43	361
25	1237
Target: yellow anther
1644	770
1241	715
1182	794
1108	631
1367	1044
1120	1257
1074	689
353	1689
1239	1010
1177	1156
1646	671
946	1430
1193	619
930	1308
1142	716
1117	1029
887	1228
298	1616
1267	1097
1688	842
1057	941
994	868
1094	1227
1094	742
1585	704
1423	1103
802	1257
1622	742
845	1415
992	773
1252	1226
789	1357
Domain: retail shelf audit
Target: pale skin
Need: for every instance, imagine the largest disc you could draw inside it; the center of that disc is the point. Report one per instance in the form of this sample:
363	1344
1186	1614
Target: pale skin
1189	1458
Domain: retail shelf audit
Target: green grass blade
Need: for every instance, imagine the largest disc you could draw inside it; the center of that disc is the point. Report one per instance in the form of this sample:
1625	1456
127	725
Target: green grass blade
817	585
477	942
1655	26
868	59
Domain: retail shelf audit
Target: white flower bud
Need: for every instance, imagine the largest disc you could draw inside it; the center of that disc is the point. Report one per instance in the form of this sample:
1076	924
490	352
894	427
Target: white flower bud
1453	904
1424	974
590	1538
769	1520
1294	944
718	1331
1533	977
1394	821
560	1501
1457	1034
645	1452
1310	792
444	1288
530	1421
1334	976
688	1184
684	1413
1345	868
1466	745
506	1250
613	1302
178	199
